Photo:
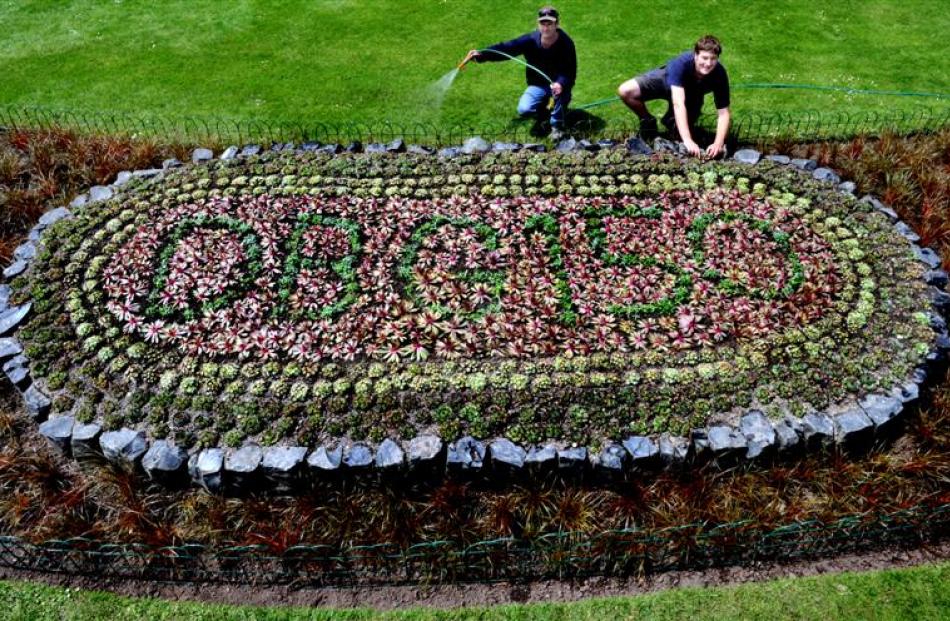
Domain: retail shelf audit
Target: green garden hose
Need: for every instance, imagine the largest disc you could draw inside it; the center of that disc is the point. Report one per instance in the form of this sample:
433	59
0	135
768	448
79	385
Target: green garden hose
843	89
518	60
813	87
751	85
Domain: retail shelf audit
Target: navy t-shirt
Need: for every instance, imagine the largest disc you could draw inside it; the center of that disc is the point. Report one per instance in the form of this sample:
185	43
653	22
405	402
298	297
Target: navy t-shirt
559	61
681	71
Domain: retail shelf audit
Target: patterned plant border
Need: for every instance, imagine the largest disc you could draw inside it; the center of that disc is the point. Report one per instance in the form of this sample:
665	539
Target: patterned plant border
748	431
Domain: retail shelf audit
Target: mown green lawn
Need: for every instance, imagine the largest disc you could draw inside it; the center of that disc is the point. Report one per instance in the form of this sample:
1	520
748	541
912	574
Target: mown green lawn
918	593
367	60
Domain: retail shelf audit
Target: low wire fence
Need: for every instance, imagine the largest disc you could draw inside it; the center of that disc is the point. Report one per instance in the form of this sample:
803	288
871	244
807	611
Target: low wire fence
556	555
747	128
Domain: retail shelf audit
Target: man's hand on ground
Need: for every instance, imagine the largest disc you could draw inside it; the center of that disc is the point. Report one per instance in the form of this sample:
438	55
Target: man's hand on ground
556	89
713	150
471	54
693	148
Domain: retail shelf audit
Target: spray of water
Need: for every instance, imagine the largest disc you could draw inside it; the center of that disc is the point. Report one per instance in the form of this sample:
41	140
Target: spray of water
435	93
437	90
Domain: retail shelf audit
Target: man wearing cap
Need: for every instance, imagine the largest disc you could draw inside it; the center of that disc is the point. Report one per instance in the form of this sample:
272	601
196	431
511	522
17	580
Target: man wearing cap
684	82
551	51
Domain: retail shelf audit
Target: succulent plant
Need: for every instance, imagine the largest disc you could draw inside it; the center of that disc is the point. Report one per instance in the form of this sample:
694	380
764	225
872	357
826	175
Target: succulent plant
371	290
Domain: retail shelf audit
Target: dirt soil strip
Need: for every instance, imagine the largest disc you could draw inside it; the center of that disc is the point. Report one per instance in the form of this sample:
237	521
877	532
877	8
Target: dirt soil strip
458	595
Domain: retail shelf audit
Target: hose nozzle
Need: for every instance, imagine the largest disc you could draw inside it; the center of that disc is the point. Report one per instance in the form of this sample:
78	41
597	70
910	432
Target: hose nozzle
468	58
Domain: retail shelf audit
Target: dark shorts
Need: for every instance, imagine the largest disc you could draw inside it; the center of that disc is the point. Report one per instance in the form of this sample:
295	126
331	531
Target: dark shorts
653	85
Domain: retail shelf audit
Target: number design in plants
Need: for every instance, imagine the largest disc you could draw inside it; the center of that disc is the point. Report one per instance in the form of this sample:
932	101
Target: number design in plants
301	297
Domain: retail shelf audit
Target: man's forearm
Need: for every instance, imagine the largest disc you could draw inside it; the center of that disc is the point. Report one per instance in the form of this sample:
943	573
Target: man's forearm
723	120
501	51
682	123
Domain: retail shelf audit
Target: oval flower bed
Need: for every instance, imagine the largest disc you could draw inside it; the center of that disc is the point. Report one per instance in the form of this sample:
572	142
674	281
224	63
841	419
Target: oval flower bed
301	298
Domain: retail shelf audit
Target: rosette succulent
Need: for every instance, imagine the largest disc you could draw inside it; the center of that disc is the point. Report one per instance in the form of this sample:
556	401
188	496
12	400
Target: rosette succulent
297	297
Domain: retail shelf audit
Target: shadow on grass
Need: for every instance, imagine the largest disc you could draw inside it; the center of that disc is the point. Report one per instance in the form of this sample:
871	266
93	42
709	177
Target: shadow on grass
583	124
578	123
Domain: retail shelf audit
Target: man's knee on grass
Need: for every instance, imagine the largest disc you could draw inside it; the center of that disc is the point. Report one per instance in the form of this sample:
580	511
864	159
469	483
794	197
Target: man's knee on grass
629	91
532	109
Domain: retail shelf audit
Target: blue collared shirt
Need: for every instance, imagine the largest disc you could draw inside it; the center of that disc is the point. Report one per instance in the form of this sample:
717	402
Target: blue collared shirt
559	61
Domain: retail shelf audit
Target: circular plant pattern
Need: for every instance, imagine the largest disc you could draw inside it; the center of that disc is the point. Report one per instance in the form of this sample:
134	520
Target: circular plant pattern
295	298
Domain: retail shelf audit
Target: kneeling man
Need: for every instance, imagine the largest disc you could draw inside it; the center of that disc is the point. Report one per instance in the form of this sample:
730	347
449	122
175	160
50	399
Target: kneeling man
683	83
551	68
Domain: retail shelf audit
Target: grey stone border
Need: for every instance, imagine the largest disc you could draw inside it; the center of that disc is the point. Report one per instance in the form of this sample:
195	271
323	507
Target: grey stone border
850	427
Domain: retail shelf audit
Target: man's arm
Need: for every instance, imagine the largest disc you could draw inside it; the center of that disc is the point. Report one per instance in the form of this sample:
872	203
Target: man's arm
678	94
723	119
567	73
515	47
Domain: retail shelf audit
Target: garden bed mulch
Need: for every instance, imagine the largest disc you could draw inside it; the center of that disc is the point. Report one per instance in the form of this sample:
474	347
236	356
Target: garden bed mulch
814	488
729	289
479	594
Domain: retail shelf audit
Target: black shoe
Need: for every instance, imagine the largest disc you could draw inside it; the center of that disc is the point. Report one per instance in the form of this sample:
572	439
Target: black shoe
669	121
648	129
541	127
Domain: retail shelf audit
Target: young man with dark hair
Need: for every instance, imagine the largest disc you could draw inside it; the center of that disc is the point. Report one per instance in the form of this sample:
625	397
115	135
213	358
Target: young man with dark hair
550	50
683	82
